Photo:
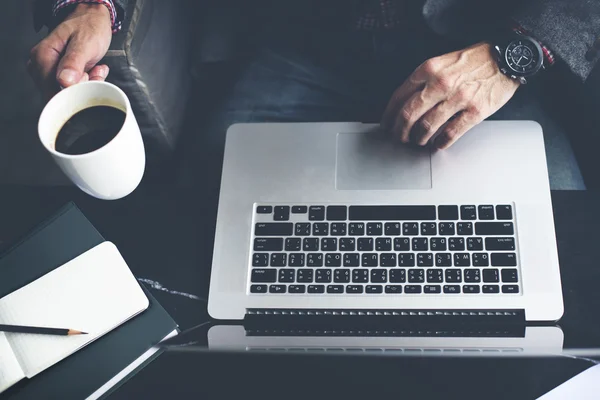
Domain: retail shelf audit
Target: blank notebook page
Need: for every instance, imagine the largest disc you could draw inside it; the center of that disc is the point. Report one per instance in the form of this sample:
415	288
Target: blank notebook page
94	293
10	370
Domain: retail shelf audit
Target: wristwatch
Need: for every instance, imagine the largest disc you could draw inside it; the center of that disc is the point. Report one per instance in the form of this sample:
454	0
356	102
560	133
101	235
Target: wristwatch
521	58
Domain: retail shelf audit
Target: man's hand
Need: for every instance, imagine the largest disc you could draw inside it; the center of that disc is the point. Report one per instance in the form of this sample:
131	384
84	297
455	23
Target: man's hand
451	94
69	54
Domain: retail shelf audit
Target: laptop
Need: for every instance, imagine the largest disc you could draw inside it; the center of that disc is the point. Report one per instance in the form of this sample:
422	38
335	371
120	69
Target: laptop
338	220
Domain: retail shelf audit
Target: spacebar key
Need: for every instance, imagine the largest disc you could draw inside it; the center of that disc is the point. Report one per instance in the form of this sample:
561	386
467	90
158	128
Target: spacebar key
392	213
274	229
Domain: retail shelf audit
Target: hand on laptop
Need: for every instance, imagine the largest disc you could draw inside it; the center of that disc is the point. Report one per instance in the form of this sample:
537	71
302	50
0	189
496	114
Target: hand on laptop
70	53
452	92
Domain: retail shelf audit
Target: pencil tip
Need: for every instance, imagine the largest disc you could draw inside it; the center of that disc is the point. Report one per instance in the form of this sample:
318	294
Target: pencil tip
84	333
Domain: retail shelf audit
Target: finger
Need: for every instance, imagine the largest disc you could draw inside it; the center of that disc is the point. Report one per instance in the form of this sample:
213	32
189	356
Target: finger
99	73
405	91
433	120
456	129
408	115
78	59
42	66
84	78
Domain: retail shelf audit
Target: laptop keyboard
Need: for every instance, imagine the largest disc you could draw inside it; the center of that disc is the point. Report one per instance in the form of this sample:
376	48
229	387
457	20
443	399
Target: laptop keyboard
379	250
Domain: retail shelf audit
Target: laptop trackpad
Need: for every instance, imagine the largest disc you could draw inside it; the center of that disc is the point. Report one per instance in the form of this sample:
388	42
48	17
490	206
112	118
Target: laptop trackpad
374	161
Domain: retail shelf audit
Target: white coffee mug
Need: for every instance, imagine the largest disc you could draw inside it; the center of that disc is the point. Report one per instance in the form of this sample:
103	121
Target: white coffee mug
112	171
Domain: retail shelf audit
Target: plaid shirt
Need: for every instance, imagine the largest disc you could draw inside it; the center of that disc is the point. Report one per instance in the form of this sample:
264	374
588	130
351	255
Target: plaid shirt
60	5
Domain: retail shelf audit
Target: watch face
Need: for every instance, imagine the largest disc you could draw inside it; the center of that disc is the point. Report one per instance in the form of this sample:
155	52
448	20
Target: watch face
524	57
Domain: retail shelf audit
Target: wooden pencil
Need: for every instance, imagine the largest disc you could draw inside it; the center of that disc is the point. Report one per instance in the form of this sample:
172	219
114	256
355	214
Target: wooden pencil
40	331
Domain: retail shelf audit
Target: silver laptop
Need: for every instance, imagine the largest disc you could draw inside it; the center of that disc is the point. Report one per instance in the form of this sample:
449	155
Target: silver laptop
333	219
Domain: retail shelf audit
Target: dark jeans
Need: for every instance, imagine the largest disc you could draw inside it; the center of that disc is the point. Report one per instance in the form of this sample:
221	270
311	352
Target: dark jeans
312	75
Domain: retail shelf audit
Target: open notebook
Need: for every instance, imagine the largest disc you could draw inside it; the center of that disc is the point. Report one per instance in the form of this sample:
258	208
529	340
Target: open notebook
95	292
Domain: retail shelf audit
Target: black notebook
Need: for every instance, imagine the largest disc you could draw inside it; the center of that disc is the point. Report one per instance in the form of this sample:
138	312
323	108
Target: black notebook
61	238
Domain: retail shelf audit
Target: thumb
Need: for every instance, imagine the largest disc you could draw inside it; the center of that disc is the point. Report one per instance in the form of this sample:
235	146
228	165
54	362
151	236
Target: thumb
78	58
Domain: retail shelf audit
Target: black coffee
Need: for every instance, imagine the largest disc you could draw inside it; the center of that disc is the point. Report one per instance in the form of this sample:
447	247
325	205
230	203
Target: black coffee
89	130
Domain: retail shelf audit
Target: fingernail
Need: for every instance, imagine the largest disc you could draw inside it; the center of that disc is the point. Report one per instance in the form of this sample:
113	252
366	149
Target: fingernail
68	76
104	72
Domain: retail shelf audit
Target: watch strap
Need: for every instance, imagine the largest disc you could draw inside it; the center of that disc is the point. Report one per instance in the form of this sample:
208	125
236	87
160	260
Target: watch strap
548	54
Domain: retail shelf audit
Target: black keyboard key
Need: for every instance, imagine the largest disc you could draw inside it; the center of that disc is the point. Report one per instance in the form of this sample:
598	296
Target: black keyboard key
401	244
264	275
356	229
510	289
354	289
302	229
428	228
397	275
338	229
323	276
481	260
299	209
468	212
277	289
410	228
274	229
471	289
316	213
494	228
278	260
453	276
347	244
500	243
486	212
335	289
370	260
412	289
351	259
316	289
425	260
432	289
420	244
260	260
464	228
510	275
474	243
392	229
304	276
360	275
447	228
392	213
383	244
472	275
406	260
456	244
504	212
333	260
462	260
438	244
365	244
374	229
490	276
374	289
268	244
490	289
297	289
336	213
258	289
447	213
341	276
282	213
393	289
314	260
296	260
286	275
443	260
310	244
504	259
264	209
435	276
378	275
451	289
293	244
416	276
387	260
320	229
329	244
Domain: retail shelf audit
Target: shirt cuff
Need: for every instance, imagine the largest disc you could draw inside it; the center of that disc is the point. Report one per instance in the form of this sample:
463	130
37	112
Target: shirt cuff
115	22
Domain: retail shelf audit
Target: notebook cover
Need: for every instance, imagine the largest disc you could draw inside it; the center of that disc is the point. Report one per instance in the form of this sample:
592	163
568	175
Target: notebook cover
56	241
